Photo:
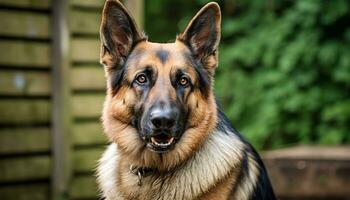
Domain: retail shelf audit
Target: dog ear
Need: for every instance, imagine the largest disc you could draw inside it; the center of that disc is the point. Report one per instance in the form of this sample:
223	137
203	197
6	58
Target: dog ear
203	33
118	33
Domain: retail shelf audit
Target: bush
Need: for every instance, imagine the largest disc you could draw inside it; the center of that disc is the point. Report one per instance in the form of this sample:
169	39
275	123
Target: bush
284	73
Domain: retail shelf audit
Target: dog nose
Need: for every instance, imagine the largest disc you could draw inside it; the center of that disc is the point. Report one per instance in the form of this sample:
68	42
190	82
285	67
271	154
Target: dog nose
163	118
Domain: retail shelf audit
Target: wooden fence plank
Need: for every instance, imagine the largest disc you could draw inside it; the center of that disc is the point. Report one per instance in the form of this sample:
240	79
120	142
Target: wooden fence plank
136	8
87	78
30	54
88	3
25	83
25	168
86	50
25	192
85	22
23	111
84	187
61	101
310	152
24	140
85	160
37	4
24	24
87	106
88	133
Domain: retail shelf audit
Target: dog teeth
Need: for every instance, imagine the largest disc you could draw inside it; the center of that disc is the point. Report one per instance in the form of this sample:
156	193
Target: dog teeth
171	140
162	144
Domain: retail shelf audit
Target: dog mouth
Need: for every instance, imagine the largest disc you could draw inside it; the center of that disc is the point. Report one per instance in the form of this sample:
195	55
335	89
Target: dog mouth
162	140
161	143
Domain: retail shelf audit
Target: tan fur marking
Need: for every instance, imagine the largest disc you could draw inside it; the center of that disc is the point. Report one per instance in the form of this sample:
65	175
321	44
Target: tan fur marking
223	189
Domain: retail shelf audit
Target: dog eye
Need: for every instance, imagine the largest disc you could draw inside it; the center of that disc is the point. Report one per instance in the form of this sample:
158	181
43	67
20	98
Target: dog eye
184	81
141	79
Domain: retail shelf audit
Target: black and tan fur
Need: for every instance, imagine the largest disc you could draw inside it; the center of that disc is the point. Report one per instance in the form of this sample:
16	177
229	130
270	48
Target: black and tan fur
197	154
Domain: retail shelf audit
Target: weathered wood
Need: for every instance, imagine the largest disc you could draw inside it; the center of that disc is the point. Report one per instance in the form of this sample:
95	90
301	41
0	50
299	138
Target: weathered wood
309	172
25	168
33	4
26	83
85	160
61	96
24	54
83	187
136	8
25	191
24	24
310	152
88	133
85	78
86	50
85	22
87	106
87	3
23	111
24	140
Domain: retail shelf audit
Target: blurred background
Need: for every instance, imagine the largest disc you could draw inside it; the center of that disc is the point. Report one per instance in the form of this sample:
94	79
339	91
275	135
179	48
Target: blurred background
283	81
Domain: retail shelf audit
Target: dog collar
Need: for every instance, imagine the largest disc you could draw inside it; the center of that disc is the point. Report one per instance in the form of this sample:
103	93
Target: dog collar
141	172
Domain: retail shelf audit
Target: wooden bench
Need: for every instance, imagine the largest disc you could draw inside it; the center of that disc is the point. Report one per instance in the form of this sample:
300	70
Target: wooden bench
310	172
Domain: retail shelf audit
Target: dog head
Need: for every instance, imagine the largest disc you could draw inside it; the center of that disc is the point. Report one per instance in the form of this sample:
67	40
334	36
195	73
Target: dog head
160	105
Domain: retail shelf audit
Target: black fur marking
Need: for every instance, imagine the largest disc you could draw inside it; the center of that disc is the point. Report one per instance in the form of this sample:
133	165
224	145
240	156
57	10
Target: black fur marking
119	71
224	124
202	35
263	189
180	91
203	77
119	33
204	81
117	19
117	77
163	55
151	75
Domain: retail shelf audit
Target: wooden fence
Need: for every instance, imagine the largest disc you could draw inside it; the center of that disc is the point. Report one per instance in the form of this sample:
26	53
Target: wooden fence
51	95
25	101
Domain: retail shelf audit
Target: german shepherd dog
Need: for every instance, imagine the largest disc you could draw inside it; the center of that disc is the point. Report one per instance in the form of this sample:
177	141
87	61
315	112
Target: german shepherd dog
169	139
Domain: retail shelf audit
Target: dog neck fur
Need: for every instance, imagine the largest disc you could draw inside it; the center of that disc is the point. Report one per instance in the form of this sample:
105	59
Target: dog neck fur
200	173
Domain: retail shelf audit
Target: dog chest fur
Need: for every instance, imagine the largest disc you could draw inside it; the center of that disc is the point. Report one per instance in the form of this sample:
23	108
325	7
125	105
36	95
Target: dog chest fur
209	173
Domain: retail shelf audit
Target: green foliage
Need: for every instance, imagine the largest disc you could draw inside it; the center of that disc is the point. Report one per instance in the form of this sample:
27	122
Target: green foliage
284	73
